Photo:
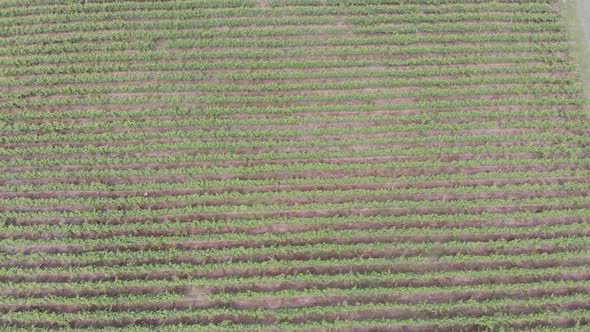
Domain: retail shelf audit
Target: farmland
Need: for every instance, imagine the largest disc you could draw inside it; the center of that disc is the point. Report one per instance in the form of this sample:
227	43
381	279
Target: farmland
385	165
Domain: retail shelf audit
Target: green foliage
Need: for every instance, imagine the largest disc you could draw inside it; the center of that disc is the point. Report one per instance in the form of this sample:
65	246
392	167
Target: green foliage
186	165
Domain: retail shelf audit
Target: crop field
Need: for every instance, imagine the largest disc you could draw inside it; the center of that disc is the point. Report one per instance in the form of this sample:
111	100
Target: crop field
352	165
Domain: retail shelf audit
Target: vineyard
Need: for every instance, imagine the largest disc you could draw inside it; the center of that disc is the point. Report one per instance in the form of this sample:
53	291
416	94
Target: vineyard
382	165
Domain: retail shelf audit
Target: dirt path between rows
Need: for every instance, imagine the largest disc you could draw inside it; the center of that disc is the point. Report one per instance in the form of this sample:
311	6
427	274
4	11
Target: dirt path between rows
583	11
576	14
